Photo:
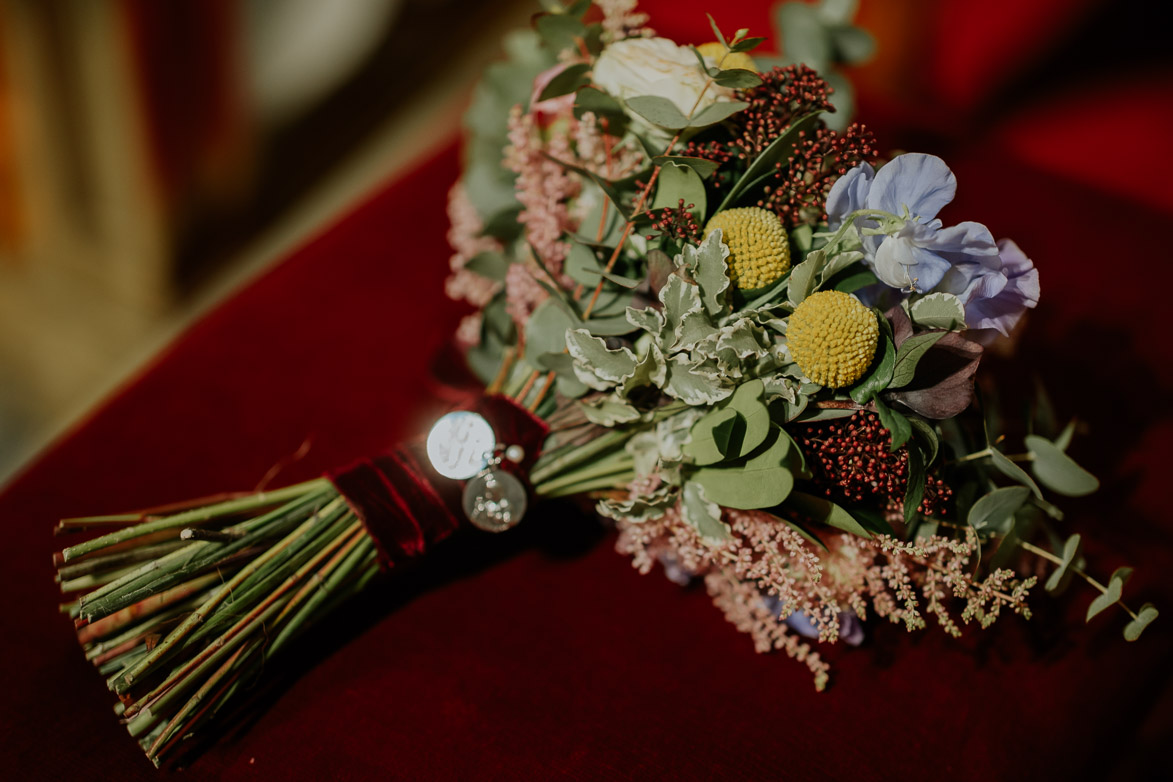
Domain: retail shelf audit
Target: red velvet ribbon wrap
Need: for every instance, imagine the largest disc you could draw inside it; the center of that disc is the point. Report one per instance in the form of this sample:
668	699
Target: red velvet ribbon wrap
406	506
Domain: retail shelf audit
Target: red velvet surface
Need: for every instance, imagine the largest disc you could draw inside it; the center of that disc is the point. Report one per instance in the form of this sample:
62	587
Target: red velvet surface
541	654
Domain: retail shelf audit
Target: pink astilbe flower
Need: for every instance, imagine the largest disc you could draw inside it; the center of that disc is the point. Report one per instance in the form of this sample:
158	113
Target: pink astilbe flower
767	570
466	239
522	293
543	187
744	609
468	333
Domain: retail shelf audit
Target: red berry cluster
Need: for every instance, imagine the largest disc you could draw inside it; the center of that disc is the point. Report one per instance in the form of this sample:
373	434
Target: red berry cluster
784	95
675	223
798	192
852	463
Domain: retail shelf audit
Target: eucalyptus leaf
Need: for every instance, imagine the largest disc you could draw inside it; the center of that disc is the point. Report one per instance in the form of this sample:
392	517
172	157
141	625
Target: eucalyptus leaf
939	311
737	78
1115	590
747	401
702	166
1144	617
909	354
1058	471
710	438
1013	471
658	110
545	332
761	482
598	103
717	112
996	509
678	183
823	511
702	513
560	31
566	81
747	44
1062	575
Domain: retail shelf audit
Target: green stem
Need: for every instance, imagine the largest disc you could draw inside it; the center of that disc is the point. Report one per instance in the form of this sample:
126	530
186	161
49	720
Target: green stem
189	625
1047	555
618	462
544	470
180	520
616	481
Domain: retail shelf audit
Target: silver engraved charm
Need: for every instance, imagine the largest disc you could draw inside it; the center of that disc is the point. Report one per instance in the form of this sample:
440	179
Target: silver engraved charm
494	500
460	445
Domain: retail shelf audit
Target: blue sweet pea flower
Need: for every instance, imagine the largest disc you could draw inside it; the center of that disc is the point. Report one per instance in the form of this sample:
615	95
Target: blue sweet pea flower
908	248
995	295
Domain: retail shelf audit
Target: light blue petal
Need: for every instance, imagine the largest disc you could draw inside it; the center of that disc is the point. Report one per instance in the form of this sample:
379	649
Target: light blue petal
901	263
923	183
848	194
973	240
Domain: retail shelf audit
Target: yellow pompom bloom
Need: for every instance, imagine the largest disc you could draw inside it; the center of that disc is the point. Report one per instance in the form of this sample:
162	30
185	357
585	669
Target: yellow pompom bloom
833	338
759	251
715	51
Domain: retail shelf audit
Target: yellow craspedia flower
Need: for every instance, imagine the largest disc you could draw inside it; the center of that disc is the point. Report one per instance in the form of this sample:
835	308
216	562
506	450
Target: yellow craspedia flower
715	51
759	252
833	338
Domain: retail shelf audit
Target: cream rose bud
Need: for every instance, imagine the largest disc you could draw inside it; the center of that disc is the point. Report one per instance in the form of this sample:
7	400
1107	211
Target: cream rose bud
656	66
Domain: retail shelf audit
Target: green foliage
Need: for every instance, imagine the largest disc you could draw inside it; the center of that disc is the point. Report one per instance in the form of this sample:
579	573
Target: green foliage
823	511
1144	617
879	375
702	513
567	81
938	311
1013	471
658	110
909	355
677	183
1058	471
765	164
1061	577
896	423
995	511
595	364
1113	593
758	481
914	492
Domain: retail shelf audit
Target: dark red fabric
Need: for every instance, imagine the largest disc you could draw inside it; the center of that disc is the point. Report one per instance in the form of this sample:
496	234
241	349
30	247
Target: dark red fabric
540	654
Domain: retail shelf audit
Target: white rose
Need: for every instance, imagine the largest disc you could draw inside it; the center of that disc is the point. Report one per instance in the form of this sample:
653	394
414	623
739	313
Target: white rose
656	66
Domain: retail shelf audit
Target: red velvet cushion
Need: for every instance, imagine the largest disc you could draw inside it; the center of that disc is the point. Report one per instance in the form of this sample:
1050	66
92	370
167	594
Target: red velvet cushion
541	653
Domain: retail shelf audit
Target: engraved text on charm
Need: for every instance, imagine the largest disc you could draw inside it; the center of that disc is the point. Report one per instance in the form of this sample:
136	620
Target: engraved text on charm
460	445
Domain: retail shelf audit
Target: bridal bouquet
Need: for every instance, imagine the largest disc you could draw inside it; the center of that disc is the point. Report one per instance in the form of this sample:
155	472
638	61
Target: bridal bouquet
741	335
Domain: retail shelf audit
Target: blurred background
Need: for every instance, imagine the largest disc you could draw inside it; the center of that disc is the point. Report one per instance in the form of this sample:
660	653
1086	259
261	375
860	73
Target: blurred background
154	156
